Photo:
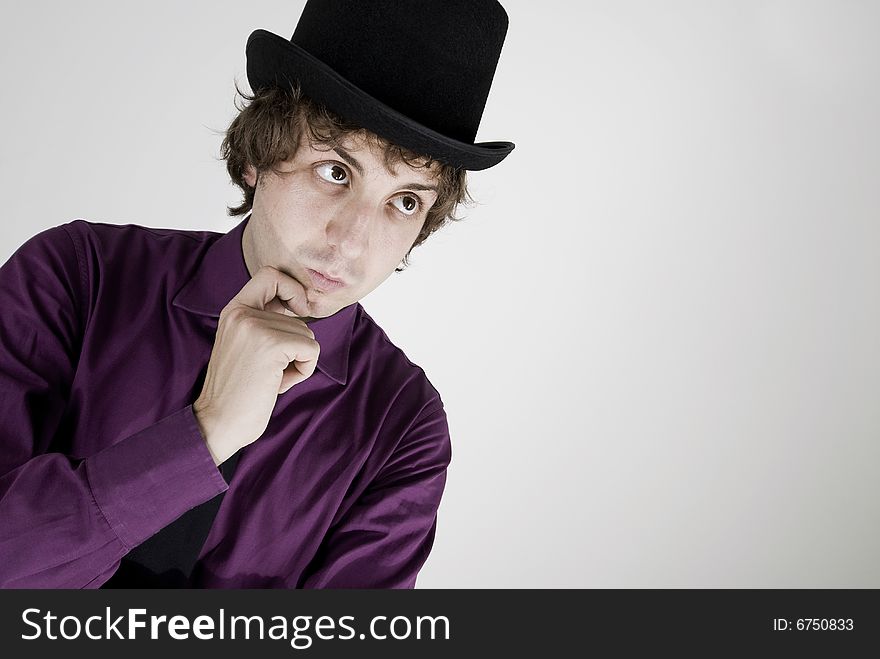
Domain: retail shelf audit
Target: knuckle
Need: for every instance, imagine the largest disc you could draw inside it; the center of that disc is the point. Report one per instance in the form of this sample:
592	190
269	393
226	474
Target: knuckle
235	313
247	321
228	311
298	322
307	347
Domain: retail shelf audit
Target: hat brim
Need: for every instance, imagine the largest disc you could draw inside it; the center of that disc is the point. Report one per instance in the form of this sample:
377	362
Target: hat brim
273	60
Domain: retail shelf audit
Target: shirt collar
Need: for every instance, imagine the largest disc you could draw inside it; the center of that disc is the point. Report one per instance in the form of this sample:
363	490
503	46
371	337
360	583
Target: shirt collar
221	275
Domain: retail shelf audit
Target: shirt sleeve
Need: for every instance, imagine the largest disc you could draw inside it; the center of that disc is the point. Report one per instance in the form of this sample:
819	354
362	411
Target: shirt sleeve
67	522
385	538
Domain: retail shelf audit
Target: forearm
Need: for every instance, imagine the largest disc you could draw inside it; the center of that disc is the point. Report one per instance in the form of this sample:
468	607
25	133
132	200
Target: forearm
66	523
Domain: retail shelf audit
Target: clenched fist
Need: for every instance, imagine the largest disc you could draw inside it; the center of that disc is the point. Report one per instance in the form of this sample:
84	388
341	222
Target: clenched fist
261	350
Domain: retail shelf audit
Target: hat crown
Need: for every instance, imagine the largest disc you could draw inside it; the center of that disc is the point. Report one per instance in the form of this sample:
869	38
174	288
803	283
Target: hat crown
431	60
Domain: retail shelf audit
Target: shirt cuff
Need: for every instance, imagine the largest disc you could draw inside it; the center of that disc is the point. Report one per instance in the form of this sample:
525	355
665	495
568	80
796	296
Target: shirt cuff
151	478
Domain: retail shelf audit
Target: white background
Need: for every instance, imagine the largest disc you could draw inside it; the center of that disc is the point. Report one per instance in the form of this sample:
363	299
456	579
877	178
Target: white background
657	335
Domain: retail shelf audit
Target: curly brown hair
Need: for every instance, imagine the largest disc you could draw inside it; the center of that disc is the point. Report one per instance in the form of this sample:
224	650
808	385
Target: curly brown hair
268	129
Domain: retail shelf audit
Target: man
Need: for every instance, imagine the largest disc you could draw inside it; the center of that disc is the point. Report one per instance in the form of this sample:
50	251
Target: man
190	409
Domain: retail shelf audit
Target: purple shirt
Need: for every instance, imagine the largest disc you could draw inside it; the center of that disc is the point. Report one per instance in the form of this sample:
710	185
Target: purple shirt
105	336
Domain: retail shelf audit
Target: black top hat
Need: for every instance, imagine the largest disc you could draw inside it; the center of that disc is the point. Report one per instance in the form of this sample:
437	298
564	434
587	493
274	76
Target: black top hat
416	72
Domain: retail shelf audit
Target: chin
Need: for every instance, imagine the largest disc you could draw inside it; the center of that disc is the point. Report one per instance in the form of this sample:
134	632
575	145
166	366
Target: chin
320	306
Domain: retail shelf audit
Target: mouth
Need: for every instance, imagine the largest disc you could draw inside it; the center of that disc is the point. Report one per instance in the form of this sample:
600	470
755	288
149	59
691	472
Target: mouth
324	283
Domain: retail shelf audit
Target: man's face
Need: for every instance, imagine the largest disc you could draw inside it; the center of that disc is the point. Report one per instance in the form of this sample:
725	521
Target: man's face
339	213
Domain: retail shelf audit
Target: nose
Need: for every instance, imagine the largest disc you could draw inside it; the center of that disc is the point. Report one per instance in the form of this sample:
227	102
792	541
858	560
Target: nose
349	230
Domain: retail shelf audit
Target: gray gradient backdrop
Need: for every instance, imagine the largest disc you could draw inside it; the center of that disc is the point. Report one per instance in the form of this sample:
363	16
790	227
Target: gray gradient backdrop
656	336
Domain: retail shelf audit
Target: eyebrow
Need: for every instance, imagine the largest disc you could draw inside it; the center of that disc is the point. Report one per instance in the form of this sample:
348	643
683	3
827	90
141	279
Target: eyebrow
351	160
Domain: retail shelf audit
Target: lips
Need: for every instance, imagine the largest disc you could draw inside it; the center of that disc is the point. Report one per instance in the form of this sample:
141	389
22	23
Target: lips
324	283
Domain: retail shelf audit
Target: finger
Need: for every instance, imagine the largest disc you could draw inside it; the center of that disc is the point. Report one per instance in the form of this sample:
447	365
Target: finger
301	367
282	323
300	351
292	376
269	283
277	306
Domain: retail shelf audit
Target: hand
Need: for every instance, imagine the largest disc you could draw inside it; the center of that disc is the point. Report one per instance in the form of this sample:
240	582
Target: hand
261	350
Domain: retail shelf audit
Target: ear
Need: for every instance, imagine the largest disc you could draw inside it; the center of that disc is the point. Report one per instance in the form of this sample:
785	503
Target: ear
250	176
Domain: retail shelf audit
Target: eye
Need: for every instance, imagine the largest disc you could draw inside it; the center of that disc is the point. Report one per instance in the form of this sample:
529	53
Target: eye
407	204
333	173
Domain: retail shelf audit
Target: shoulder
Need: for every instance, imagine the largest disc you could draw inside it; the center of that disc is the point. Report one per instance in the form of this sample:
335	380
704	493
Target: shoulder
132	253
415	416
390	370
134	238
